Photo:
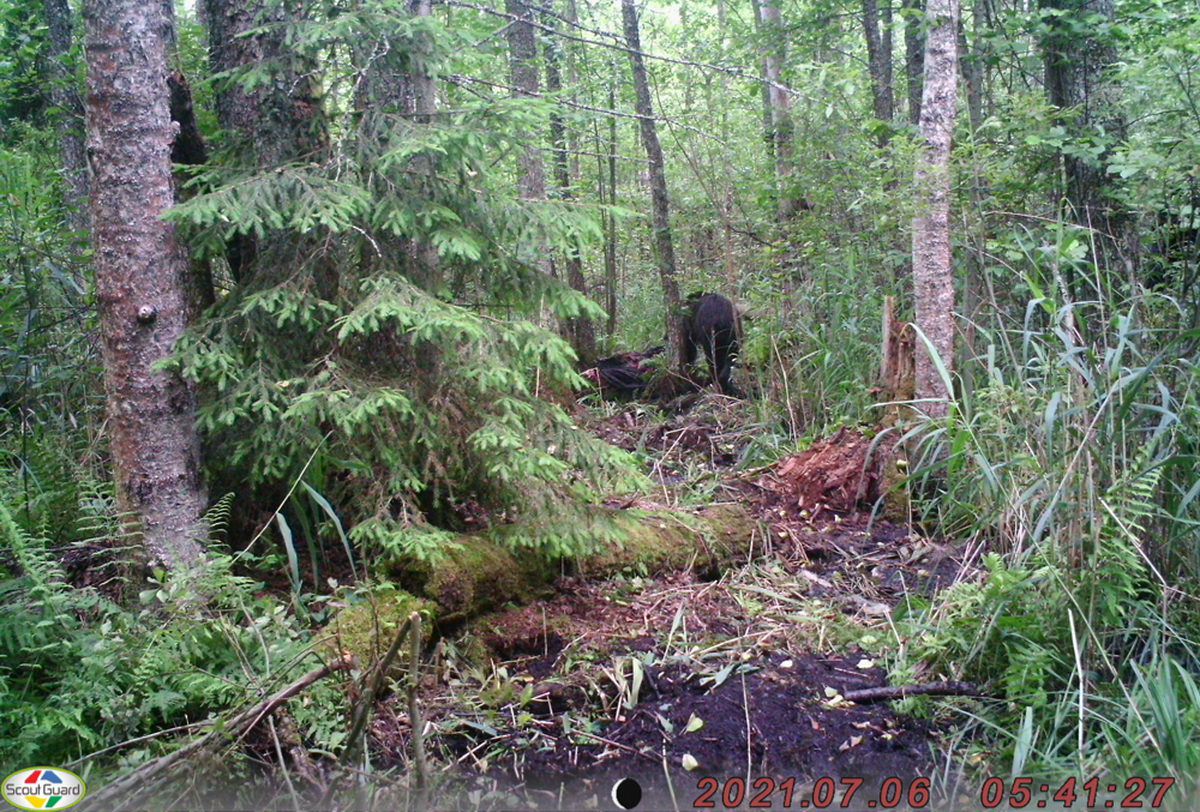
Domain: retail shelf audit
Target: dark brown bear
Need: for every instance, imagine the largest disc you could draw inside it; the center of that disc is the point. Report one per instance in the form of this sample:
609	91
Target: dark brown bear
712	326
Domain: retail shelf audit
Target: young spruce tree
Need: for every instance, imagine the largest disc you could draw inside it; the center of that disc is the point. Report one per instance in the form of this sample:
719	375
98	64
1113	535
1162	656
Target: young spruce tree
418	383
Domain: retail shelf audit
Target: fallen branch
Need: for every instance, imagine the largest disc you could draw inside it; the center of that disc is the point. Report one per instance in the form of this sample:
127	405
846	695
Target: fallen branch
374	681
141	776
901	691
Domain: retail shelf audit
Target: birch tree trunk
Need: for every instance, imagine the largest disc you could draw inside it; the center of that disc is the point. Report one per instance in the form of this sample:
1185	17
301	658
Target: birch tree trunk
933	274
664	247
140	279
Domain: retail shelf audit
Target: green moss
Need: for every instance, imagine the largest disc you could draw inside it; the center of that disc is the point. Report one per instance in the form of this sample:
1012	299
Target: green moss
659	541
481	572
476	574
366	629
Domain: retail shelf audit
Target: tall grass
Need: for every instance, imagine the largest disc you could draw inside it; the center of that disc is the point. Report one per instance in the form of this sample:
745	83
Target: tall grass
1072	456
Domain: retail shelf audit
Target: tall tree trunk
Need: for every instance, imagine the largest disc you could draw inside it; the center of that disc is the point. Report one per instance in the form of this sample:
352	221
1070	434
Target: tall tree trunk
768	126
421	103
726	203
140	268
68	110
189	149
914	55
887	71
664	247
780	104
580	332
879	65
278	122
395	80
522	51
531	184
610	219
1079	54
933	274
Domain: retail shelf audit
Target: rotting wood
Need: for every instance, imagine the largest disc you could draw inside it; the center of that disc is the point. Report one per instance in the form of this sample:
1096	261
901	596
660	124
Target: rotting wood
926	689
897	384
373	681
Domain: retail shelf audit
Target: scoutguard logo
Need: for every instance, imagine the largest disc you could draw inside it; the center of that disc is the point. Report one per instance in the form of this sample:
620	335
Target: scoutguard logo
43	788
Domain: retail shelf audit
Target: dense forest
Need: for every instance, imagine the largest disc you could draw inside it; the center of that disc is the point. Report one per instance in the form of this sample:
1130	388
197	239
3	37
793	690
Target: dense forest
473	405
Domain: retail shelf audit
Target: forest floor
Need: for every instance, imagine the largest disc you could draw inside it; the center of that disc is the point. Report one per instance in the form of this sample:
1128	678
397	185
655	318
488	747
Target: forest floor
674	682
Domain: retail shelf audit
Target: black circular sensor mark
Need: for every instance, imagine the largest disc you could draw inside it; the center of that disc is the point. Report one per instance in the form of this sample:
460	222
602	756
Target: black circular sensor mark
627	793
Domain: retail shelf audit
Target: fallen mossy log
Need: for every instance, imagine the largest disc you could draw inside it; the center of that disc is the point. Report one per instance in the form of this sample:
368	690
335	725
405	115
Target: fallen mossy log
483	571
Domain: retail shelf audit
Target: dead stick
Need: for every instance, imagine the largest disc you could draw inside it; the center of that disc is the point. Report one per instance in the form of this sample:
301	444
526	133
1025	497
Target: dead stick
618	745
927	689
374	687
414	713
143	775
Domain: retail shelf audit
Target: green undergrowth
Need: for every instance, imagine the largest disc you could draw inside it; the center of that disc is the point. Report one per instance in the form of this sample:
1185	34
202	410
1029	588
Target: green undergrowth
1069	453
81	672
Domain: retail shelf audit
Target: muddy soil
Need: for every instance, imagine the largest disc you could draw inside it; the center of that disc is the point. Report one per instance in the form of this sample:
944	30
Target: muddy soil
683	685
776	718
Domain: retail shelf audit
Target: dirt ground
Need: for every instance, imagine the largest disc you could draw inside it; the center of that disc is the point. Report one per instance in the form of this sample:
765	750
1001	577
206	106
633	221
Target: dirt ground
674	682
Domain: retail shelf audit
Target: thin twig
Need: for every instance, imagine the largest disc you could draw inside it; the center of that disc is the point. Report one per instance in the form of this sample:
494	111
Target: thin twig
414	711
618	745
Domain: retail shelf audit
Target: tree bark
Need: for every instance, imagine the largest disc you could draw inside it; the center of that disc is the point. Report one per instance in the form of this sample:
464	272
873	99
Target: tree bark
273	124
280	121
971	59
531	183
67	105
664	247
189	149
725	206
395	77
914	55
887	74
768	126
522	50
423	101
610	220
933	275
140	273
879	65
